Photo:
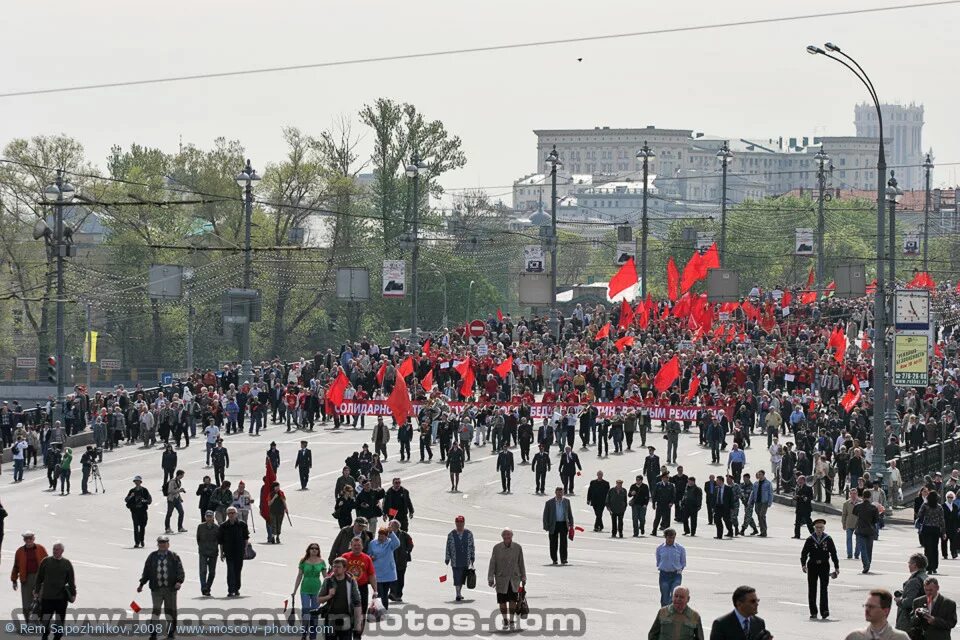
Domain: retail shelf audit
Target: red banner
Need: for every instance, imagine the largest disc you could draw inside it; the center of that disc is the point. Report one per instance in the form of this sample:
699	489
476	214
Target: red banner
540	410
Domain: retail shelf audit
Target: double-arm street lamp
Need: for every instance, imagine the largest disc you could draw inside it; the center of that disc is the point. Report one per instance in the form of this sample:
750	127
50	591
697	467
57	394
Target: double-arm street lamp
413	171
553	163
724	157
246	179
645	155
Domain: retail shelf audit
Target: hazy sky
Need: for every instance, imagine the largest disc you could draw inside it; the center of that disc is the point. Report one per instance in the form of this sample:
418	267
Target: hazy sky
753	81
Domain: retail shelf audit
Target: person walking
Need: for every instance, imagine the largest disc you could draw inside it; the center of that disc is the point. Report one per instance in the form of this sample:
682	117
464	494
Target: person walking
508	573
617	505
663	495
208	534
175	493
220	458
360	566
344	506
672	435
815	557
278	509
540	465
381	551
460	553
933	614
761	497
867	516
557	522
64	472
310	572
736	460
381	436
692	503
402	556
677	616
876	610
205	489
568	467
912	589
933	528
951	519
168	462
597	498
651	466
849	521
341	544
303	465
455	462
639	495
340	596
55	587
397	504
671	559
220	501
743	621
138	501
163	570
26	563
723	507
505	467
803	506
233	537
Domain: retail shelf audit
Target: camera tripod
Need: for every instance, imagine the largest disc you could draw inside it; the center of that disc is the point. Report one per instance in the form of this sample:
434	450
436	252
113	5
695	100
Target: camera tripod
95	474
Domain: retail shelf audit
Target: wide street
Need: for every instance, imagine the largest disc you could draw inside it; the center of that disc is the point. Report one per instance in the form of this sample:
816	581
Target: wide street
611	581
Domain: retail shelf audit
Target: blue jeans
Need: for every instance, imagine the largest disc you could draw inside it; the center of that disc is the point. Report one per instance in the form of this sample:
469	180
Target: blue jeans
307	603
851	550
866	550
208	570
669	580
18	465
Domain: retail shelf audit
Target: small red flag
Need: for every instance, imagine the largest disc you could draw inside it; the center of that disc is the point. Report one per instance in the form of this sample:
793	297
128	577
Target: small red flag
864	341
603	333
406	368
382	371
399	401
673	280
711	259
580	529
625	278
624	342
667	375
786	299
335	392
644	313
692	272
694	387
851	397
808	297
499	314
626	315
810	279
136	608
443	578
465	369
578	473
427	382
426	347
391	512
503	369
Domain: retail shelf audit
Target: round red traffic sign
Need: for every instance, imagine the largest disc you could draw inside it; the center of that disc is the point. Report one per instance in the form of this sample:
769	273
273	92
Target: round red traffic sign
477	328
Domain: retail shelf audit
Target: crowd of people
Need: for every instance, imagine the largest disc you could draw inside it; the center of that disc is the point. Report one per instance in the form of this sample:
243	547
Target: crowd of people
796	376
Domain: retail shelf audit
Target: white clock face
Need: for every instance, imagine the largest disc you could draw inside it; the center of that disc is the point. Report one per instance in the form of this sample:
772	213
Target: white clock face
912	309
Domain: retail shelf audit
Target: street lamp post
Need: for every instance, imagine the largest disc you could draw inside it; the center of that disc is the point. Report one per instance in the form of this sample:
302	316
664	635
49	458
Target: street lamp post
553	161
927	167
893	195
59	194
469	295
724	156
879	466
644	154
246	179
823	161
413	172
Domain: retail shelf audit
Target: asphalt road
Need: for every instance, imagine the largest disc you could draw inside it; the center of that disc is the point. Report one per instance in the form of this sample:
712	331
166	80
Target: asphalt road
613	582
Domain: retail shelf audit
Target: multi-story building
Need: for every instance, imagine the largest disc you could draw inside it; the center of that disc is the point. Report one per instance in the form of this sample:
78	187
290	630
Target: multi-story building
903	126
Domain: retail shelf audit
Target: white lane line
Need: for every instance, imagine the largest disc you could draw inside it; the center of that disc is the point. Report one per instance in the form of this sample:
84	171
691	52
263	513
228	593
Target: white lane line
792	604
599	610
694	453
647	586
275	564
706	573
95	565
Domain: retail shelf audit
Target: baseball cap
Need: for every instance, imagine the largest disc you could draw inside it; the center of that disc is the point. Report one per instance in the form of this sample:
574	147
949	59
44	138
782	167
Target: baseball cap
137	479
163	538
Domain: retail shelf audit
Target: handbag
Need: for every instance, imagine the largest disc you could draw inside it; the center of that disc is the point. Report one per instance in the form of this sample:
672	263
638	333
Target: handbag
470	577
292	616
249	553
523	609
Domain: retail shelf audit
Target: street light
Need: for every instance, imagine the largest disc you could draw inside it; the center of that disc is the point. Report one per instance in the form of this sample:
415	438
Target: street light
823	161
469	295
553	162
59	194
724	157
927	167
879	465
413	172
245	180
645	154
893	194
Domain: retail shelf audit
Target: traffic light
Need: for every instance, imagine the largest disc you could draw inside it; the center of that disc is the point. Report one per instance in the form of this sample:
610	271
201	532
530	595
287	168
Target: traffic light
52	369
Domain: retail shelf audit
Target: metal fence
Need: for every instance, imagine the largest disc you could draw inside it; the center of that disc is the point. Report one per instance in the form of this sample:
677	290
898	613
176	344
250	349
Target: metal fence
930	459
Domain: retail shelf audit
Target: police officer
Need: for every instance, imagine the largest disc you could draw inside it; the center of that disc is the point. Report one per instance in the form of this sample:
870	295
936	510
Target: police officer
818	551
540	465
505	466
303	464
525	438
221	461
426	440
137	500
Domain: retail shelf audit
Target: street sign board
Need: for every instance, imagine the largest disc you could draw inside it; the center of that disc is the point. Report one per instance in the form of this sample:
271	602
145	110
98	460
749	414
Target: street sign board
166	378
26	363
910	355
477	328
109	363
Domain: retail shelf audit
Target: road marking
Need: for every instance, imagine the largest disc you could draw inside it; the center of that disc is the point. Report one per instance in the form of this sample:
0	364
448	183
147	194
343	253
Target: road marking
647	586
706	573
694	453
92	564
275	564
599	610
792	604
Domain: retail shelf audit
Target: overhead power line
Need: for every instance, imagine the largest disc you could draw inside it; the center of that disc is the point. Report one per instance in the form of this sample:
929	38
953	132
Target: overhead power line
483	49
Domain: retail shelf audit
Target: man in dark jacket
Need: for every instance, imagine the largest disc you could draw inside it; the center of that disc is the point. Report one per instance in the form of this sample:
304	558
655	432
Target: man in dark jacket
505	467
401	556
540	465
208	541
346	479
617	504
639	495
138	500
743	622
664	496
803	500
692	503
233	537
651	467
303	464
205	490
597	498
341	544
679	480
568	467
933	615
815	558
397	504
722	508
164	571
912	589
710	494
168	462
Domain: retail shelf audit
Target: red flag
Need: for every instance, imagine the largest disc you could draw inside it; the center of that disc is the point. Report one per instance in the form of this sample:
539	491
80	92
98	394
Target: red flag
937	351
812	406
335	392
711	259
922	280
692	272
603	333
504	368
626	315
382	371
649	304
465	369
694	387
673	280
580	529
810	279
443	578
851	397
667	375
786	299
768	322
731	334
682	308
624	342
269	477
864	342
499	315
830	288
426	347
750	311
625	278
872	287
406	368
808	297
399	401
644	314
134	606
838	342
427	382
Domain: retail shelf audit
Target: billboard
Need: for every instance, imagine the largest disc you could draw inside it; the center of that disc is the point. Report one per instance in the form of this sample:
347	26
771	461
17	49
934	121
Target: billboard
394	278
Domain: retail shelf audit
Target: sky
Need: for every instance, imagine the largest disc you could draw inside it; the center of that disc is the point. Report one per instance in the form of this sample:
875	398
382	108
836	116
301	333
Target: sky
749	81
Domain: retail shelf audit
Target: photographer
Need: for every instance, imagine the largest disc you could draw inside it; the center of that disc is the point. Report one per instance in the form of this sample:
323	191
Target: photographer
87	461
912	589
933	615
137	500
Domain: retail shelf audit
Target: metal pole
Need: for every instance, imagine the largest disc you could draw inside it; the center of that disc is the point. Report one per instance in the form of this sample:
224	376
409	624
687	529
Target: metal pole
821	225
927	166
246	363
89	345
469	295
59	247
879	466
190	314
890	414
723	209
445	320
415	254
553	250
644	226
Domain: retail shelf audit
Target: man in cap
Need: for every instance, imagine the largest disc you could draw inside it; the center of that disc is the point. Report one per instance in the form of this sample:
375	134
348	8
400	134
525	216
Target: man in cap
233	537
26	563
663	495
540	465
163	570
138	500
651	466
207	548
818	551
303	464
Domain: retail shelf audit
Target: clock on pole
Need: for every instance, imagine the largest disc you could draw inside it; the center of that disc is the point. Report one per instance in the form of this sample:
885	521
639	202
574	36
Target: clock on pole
911	309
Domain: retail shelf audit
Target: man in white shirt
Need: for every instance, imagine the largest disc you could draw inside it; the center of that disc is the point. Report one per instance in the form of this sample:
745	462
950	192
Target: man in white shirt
213	434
